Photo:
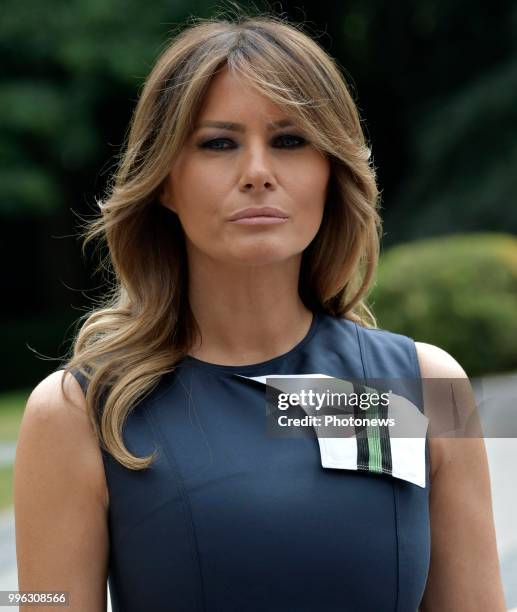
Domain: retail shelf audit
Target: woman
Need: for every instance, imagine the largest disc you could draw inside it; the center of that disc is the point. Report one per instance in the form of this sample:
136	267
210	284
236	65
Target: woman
243	230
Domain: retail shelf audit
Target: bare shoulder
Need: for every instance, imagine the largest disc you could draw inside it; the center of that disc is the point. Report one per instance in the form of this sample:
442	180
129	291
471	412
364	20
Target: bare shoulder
47	400
435	362
60	496
464	570
55	417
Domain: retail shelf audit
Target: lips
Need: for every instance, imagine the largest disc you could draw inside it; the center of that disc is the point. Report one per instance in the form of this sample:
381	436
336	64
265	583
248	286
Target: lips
264	211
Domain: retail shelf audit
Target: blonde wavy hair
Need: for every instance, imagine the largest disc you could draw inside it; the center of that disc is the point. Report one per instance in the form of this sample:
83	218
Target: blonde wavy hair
139	331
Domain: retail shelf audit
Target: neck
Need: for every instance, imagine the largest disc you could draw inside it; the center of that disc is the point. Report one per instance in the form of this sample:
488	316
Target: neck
246	314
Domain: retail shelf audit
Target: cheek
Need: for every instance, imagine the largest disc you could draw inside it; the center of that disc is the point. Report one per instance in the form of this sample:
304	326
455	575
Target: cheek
313	177
194	195
311	192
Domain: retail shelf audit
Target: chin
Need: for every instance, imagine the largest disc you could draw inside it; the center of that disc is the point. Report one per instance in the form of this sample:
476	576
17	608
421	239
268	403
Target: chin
262	254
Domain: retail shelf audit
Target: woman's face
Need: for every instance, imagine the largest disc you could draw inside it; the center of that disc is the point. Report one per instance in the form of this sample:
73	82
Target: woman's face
224	169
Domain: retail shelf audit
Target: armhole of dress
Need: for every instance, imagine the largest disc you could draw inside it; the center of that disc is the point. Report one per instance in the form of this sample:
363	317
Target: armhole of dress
81	379
362	351
418	375
417	372
414	358
84	383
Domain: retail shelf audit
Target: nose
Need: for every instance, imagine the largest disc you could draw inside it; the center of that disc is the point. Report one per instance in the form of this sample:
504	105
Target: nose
257	173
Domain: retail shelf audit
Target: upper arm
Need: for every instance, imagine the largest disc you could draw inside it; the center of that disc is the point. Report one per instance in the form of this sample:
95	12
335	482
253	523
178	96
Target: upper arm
464	571
59	498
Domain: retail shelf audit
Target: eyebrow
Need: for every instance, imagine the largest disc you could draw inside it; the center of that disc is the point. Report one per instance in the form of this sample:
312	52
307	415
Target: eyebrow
238	127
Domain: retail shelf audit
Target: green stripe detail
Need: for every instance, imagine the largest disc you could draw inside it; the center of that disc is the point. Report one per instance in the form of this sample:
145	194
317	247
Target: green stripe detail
374	442
374	448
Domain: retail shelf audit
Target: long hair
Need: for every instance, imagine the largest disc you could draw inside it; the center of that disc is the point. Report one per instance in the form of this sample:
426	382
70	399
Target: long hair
144	325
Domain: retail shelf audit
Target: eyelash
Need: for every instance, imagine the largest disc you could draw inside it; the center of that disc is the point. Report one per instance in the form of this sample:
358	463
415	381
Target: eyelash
205	144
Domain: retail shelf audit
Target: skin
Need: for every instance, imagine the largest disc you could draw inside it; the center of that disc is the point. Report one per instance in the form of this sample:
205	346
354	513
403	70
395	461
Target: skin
249	276
60	499
464	571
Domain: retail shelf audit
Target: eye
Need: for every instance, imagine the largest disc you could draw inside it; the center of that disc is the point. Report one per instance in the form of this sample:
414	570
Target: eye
210	144
216	144
300	139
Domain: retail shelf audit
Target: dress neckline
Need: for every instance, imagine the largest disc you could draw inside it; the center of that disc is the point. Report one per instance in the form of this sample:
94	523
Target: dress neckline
252	367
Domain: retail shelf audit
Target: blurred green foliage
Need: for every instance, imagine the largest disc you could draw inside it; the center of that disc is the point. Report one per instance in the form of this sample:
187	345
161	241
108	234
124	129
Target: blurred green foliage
69	71
6	486
463	169
12	405
458	292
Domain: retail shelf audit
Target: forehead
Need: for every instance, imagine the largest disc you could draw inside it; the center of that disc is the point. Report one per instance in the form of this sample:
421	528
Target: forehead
229	96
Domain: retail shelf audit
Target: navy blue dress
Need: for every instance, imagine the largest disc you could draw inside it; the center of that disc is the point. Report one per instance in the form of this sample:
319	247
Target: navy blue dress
231	519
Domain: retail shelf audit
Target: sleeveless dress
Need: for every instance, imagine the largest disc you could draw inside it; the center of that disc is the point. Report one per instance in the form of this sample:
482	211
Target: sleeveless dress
231	519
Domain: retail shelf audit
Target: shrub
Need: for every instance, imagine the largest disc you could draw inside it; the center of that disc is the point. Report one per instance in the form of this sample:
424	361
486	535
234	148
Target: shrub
458	292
